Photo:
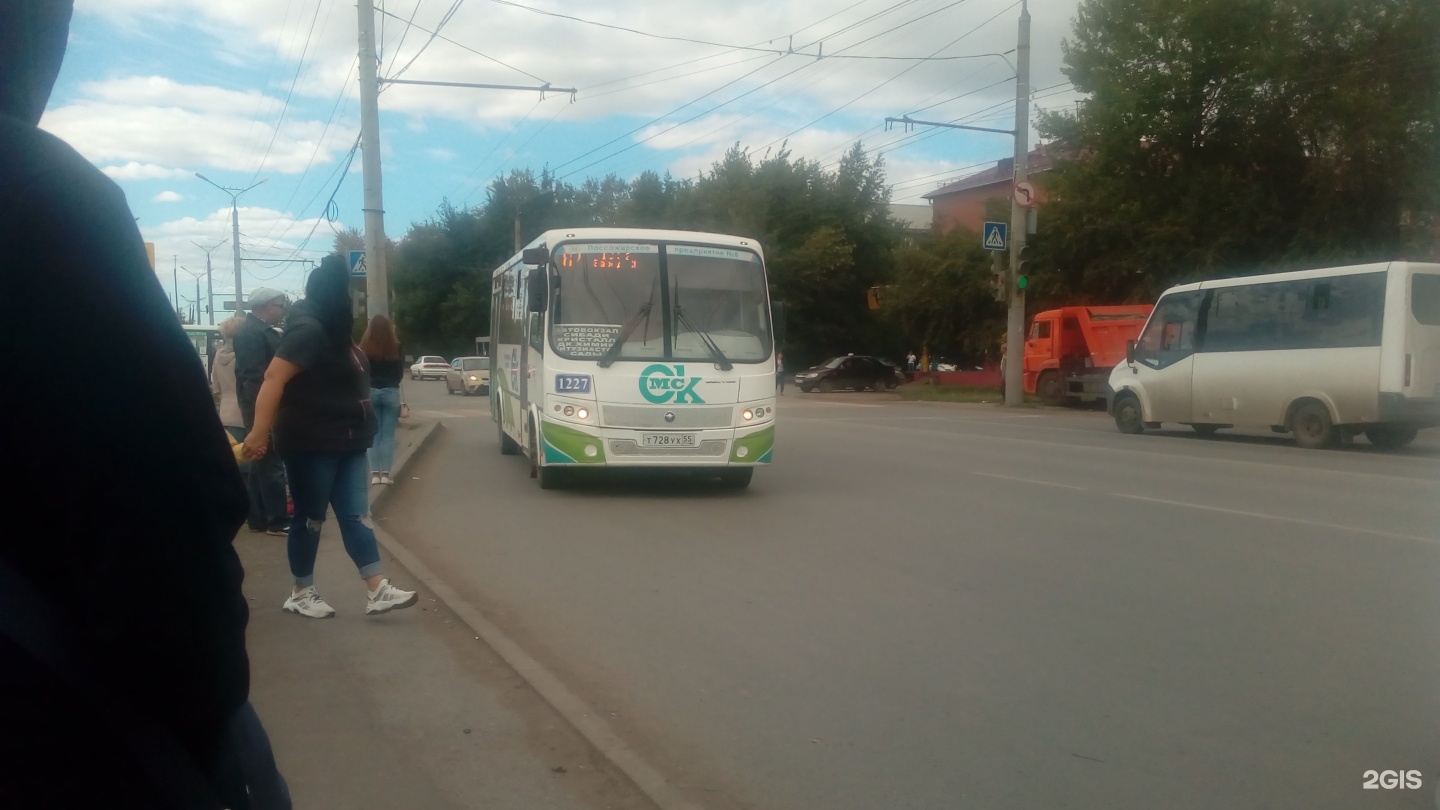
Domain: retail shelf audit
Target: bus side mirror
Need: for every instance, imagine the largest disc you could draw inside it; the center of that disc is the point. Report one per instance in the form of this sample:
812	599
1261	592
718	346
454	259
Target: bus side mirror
777	320
1130	352
536	290
535	257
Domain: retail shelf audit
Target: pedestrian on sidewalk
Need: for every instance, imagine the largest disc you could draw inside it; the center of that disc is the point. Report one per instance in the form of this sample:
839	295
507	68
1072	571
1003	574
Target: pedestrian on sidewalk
222	384
780	371
382	351
110	695
316	398
255	343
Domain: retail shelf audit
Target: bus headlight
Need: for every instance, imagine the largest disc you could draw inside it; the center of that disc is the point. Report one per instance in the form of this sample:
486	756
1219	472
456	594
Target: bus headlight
582	413
747	415
569	410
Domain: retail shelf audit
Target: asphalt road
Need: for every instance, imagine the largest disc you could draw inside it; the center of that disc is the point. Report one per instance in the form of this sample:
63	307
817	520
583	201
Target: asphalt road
927	606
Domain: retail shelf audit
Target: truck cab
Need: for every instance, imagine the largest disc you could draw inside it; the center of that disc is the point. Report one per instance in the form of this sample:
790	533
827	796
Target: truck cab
1069	351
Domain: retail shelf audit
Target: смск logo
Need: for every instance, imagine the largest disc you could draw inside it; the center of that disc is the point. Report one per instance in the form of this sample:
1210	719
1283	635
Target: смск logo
661	383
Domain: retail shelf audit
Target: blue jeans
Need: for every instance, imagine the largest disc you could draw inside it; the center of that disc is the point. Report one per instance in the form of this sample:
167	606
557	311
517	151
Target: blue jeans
386	402
340	481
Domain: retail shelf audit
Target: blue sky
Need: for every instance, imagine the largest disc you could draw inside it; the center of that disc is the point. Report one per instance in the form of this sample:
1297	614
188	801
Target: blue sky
153	91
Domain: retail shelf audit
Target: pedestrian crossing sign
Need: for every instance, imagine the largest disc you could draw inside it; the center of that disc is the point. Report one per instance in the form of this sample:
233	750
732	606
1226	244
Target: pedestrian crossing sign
357	264
994	236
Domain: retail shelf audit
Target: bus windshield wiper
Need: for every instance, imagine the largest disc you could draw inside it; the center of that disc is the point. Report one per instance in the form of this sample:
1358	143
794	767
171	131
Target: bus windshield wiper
642	314
720	359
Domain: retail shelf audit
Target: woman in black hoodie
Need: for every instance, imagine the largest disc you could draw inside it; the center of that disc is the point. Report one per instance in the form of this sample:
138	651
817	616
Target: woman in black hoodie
316	398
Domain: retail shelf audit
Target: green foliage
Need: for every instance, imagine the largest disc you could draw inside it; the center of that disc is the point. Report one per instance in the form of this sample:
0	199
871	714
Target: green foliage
827	237
1238	136
942	297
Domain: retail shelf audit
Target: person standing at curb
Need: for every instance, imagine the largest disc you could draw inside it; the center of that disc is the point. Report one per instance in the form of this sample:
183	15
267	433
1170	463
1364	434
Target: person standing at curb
107	698
255	345
316	398
222	384
780	372
382	351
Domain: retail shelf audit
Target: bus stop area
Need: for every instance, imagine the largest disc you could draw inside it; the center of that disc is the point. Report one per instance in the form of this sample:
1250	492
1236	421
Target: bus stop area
407	709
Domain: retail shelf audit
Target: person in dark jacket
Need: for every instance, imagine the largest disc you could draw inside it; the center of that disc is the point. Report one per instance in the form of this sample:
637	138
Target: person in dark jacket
316	397
382	352
139	481
255	344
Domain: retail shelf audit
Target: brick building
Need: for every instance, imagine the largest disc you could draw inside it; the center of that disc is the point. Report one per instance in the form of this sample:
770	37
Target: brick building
961	204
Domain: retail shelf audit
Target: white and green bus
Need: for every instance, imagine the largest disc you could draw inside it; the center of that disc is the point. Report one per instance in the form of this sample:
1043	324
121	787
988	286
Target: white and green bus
625	347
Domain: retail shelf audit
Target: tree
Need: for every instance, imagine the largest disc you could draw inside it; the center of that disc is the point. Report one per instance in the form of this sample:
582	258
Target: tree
1235	136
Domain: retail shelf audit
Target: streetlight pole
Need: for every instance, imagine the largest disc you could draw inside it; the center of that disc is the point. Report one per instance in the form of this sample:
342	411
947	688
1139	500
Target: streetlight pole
1015	320
175	282
235	232
209	281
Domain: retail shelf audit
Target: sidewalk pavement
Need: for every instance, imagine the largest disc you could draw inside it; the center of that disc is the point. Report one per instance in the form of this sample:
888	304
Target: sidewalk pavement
407	709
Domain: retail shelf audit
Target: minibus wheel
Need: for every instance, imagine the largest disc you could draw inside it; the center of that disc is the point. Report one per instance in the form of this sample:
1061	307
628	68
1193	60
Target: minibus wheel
1128	419
1390	437
1312	426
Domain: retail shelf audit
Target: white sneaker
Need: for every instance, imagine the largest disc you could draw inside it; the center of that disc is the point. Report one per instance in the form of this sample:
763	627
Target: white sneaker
385	478
374	479
388	597
308	603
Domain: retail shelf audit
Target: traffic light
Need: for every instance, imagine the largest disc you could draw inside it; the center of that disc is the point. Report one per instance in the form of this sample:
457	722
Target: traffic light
1022	267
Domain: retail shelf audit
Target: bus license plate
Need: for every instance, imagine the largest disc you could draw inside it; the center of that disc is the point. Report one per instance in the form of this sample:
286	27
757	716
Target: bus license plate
669	440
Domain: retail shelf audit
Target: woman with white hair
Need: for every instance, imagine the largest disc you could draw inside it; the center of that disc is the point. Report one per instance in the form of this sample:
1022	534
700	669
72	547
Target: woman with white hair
222	380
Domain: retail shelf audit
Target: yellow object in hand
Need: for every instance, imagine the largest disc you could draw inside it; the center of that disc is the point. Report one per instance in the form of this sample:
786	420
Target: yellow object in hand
238	448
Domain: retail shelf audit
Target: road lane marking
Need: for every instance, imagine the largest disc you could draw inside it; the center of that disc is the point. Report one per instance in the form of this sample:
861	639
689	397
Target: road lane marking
814	403
1120	450
1028	480
1281	518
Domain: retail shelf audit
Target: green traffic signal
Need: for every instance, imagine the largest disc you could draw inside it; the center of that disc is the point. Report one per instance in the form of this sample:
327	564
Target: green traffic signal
1021	282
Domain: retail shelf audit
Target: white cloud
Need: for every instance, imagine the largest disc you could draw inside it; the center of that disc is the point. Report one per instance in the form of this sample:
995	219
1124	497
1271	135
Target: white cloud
441	154
135	170
167	197
265	234
149	121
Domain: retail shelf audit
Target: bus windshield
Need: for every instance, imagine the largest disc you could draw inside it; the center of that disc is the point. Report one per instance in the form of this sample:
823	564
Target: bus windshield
707	295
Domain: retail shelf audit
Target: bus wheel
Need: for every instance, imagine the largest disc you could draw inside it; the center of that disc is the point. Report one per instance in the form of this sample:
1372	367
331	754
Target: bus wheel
1312	426
1390	437
736	477
1205	430
1128	419
548	477
1051	389
508	446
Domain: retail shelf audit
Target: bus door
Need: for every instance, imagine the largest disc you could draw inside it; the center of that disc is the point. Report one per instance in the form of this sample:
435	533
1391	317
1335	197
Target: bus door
1422	339
1165	358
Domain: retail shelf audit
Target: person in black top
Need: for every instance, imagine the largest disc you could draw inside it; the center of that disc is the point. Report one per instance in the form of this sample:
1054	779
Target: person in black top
383	353
316	398
137	482
254	345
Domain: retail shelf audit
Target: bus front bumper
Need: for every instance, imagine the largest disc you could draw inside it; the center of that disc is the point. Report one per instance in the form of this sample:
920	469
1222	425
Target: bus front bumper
623	447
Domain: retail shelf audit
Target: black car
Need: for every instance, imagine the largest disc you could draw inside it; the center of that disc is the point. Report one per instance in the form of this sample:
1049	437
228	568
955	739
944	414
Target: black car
856	372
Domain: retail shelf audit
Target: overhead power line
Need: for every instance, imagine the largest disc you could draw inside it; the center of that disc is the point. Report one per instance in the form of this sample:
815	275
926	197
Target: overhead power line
464	47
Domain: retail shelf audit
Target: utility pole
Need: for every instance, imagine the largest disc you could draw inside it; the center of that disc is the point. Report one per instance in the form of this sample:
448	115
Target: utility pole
1010	289
175	282
234	232
1015	325
377	281
209	281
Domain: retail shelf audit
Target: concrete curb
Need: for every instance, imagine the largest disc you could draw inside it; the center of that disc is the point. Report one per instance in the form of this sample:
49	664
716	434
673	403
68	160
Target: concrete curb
590	723
403	462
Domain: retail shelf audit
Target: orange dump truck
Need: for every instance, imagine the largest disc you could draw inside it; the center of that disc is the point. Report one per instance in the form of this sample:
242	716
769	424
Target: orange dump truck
1069	351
